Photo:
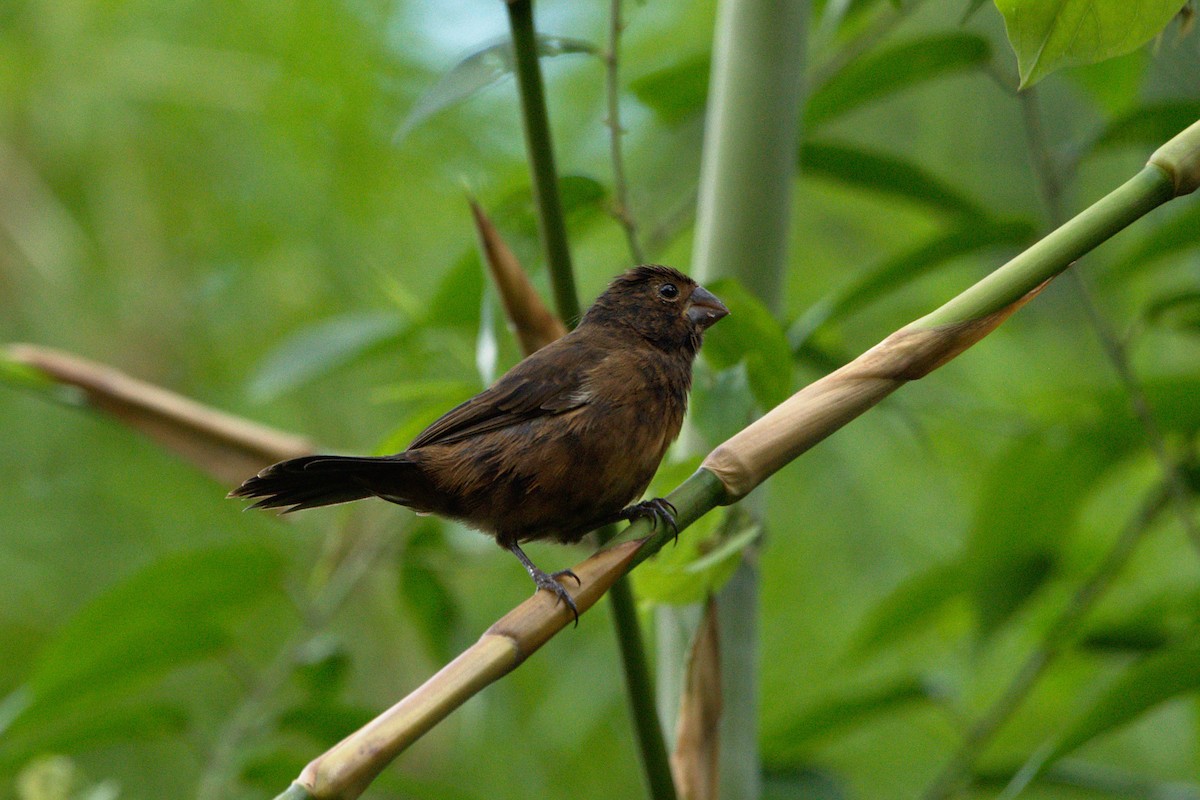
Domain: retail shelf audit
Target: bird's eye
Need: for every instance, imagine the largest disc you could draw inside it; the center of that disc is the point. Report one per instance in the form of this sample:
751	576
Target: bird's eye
668	290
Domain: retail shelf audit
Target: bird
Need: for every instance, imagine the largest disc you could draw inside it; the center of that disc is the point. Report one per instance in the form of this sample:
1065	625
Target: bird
560	445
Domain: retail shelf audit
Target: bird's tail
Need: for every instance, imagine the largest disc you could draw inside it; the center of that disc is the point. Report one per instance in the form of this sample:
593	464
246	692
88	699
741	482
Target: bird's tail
312	481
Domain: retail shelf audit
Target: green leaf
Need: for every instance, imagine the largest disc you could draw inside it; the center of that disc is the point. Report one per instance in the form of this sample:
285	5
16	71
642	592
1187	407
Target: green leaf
94	725
580	194
972	7
429	602
805	783
172	612
479	70
697	564
318	349
677	92
322	666
888	71
1177	310
1144	685
971	236
752	334
1033	492
888	174
1147	126
324	721
721	403
1030	497
1116	84
1047	35
459	296
1180	232
913	603
840	714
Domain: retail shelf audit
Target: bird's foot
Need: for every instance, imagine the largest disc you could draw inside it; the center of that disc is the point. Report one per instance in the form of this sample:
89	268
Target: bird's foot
550	582
657	510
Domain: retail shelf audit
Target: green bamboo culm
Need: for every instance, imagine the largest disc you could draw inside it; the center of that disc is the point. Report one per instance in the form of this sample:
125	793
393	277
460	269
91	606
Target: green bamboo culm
551	227
1140	194
745	208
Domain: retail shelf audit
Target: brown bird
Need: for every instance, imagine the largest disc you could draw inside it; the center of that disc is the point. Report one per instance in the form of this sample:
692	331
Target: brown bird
558	447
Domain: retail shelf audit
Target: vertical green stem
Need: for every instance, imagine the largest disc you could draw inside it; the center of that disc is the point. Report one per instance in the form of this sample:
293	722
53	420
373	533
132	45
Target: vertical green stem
551	226
640	686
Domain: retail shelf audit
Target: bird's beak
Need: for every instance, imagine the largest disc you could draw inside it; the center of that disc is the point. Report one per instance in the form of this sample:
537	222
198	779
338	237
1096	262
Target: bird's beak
704	308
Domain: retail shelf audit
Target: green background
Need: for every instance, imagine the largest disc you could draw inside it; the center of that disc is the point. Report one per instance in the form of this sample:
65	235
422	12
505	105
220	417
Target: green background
214	197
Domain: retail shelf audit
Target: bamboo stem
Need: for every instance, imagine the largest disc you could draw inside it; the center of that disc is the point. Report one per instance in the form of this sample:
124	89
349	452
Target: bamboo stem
743	219
551	226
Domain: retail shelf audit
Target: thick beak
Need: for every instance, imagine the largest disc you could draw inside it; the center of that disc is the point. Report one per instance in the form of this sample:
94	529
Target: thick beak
705	308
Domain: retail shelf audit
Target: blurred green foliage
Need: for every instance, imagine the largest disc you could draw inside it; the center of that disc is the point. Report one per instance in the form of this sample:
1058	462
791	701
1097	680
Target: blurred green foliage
213	197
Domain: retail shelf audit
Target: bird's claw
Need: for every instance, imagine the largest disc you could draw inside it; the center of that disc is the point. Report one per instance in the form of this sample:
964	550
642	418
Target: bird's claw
551	584
655	510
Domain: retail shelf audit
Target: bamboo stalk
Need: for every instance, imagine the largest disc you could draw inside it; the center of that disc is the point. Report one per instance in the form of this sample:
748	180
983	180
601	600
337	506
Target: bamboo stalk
551	227
348	768
225	446
743	220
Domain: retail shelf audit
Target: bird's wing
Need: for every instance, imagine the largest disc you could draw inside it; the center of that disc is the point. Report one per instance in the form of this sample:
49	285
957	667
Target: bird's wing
550	382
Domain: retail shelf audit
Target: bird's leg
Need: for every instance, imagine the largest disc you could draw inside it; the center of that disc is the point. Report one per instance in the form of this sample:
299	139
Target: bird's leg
655	510
547	581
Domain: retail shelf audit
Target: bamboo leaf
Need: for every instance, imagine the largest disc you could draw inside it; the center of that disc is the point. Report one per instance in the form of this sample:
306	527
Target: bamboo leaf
479	70
840	714
899	67
1179	310
428	600
911	605
92	726
721	403
315	350
899	271
458	298
172	612
1047	35
751	333
323	666
1147	683
696	565
1147	126
676	92
1013	546
886	173
972	7
324	720
803	784
1179	233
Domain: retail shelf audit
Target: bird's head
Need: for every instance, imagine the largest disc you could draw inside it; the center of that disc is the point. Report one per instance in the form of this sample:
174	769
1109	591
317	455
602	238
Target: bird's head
661	304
